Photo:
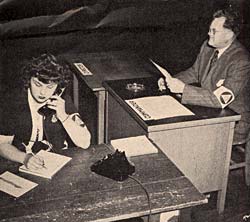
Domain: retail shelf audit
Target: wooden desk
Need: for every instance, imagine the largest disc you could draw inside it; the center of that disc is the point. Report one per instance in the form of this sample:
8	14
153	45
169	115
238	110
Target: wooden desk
199	145
77	194
104	66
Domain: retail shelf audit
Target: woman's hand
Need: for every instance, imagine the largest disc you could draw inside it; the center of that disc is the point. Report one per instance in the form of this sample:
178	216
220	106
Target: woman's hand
33	162
58	104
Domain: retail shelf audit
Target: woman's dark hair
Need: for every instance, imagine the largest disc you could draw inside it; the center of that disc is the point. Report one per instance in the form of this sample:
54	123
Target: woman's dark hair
233	19
47	69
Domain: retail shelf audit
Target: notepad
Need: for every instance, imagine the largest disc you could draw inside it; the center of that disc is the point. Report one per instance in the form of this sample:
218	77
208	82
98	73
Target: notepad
14	185
53	163
158	107
83	69
134	146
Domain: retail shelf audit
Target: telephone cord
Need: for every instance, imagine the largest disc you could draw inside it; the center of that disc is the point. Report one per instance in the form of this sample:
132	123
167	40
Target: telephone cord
147	194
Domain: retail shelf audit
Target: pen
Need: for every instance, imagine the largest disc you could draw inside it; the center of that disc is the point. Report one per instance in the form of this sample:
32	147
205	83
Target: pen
43	165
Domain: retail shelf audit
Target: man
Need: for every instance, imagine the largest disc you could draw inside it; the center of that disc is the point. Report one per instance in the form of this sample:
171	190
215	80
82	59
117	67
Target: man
41	116
222	69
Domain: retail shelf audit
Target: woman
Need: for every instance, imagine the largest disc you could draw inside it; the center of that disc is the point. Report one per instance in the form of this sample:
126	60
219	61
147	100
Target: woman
42	116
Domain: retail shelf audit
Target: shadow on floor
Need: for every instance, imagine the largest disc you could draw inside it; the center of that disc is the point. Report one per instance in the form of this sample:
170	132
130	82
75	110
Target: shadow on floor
237	208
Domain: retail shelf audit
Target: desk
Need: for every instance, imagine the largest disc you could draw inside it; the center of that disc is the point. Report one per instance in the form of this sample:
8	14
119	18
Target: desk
104	66
199	145
77	194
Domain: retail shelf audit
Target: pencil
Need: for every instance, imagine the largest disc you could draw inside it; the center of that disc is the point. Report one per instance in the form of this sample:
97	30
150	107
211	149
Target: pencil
43	165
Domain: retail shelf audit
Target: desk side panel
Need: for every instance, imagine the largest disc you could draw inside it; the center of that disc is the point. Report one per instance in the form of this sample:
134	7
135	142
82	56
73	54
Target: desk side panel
199	152
88	109
120	124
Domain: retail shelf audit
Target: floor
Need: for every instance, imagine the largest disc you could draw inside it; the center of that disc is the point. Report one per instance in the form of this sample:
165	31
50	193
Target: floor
237	207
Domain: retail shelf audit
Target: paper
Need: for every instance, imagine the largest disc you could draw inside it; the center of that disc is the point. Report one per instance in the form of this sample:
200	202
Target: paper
53	163
162	70
83	69
158	107
14	185
134	146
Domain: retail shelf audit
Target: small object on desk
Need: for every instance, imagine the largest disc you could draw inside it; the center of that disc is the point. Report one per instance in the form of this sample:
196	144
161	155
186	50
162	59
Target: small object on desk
115	166
83	69
53	163
14	185
135	87
134	146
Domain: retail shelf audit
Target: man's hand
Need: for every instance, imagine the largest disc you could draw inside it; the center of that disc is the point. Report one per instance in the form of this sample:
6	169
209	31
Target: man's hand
161	84
175	85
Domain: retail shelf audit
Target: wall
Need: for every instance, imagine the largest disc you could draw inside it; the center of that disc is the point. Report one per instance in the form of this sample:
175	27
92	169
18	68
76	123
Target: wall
170	32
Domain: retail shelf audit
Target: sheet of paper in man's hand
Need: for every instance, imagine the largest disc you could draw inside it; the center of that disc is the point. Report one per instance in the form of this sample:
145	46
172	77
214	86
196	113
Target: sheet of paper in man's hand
14	185
162	70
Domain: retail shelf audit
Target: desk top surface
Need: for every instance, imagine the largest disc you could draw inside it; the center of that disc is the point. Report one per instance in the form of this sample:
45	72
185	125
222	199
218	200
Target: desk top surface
77	194
203	115
110	66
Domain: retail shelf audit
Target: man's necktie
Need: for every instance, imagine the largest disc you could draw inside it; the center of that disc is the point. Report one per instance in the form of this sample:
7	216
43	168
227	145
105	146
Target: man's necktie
213	60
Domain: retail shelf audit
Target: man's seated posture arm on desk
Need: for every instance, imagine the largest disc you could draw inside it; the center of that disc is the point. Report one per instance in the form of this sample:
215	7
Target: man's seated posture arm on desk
222	69
41	115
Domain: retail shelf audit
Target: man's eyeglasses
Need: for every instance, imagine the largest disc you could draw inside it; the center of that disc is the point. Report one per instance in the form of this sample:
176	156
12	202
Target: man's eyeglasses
213	31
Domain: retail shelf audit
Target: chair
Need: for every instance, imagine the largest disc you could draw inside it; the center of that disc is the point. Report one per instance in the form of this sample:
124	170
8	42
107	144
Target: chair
241	157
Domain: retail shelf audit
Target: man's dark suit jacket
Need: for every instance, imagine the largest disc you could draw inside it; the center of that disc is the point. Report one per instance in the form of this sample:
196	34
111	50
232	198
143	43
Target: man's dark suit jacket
233	66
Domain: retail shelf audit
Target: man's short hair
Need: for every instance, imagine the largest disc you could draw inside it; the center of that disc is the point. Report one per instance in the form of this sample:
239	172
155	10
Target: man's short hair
47	69
233	20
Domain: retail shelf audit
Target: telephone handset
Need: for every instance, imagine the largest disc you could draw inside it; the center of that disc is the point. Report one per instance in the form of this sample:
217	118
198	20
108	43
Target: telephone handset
59	91
45	110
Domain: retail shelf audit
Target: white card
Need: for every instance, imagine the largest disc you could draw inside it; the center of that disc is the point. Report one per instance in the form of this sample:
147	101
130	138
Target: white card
83	69
14	185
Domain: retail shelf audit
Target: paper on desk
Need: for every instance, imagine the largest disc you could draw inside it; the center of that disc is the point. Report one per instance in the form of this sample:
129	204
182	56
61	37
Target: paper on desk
15	185
162	70
134	146
53	163
83	69
158	107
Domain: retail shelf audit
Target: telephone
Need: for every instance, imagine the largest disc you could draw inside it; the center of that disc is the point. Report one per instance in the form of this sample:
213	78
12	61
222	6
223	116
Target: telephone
45	110
59	91
115	166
